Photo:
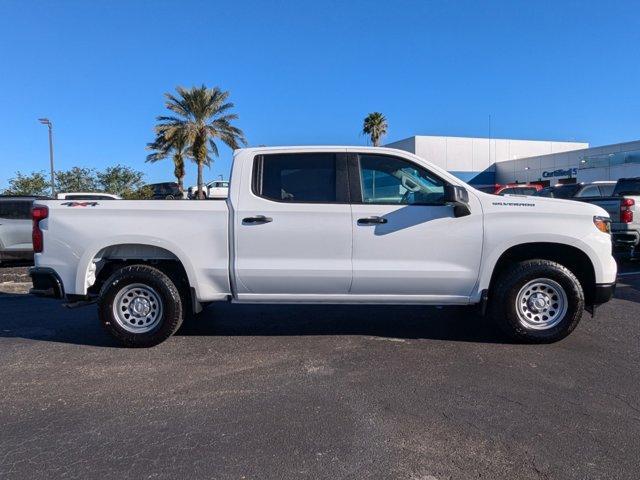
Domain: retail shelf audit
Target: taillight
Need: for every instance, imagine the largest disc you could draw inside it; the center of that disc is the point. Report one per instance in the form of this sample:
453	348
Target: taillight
626	214
38	213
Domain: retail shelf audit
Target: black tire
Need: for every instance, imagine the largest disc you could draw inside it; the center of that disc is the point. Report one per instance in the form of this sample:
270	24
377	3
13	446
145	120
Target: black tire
504	296
167	321
169	197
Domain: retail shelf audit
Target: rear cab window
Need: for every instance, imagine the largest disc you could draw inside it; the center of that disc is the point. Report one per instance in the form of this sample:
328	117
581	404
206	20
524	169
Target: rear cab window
16	209
627	186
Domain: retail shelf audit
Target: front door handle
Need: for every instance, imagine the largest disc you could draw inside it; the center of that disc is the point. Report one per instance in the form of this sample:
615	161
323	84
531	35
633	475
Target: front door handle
371	221
257	219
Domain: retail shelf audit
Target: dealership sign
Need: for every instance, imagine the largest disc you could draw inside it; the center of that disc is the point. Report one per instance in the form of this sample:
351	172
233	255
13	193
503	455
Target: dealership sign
568	172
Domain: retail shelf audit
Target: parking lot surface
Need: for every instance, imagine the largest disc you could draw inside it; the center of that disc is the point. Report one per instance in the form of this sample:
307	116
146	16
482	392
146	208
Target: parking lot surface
319	392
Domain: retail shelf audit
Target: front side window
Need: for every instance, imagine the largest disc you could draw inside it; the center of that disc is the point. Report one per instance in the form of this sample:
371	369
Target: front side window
390	180
298	177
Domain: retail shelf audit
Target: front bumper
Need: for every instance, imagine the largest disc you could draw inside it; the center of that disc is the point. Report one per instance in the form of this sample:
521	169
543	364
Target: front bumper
46	283
603	293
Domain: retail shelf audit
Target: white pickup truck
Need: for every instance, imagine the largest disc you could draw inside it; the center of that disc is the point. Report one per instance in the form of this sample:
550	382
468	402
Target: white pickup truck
328	225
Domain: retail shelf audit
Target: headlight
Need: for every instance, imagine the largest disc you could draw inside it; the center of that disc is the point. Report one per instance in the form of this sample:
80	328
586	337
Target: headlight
603	224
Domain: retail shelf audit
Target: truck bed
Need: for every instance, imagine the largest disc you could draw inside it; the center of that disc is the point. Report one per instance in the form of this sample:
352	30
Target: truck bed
76	234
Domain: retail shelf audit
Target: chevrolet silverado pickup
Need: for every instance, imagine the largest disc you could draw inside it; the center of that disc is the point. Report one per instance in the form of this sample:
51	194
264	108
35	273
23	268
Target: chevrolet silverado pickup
623	207
327	225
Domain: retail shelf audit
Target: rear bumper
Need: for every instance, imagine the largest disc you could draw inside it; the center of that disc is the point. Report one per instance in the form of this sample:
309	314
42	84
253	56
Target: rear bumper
46	283
625	242
603	293
9	255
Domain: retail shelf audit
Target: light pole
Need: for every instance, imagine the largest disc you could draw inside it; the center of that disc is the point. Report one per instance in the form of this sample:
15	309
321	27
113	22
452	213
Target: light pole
47	122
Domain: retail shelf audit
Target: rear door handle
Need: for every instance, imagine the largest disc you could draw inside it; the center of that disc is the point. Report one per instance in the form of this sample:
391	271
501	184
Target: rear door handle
371	221
257	219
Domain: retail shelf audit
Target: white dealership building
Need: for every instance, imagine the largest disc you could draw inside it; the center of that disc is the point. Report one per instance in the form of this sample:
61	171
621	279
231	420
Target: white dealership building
484	161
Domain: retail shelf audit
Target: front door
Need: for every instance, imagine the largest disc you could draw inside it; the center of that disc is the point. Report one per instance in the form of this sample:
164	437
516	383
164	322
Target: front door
406	241
293	230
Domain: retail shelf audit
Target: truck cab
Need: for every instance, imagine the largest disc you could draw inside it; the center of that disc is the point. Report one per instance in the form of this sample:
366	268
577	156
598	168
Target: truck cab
330	225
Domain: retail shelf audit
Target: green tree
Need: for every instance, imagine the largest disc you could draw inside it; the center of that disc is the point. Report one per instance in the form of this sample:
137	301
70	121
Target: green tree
375	125
201	115
120	180
77	179
143	193
177	148
35	183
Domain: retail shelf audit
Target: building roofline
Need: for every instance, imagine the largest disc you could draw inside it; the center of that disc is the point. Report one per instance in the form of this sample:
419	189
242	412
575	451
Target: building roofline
583	149
487	138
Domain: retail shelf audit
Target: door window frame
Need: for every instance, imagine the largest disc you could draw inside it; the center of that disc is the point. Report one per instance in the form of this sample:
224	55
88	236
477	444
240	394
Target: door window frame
355	185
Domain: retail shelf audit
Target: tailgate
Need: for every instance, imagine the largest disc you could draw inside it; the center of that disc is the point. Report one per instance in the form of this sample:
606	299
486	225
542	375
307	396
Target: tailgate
611	205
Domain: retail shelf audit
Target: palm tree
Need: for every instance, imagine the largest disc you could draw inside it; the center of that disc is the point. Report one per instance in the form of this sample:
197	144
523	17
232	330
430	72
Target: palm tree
177	148
201	116
375	125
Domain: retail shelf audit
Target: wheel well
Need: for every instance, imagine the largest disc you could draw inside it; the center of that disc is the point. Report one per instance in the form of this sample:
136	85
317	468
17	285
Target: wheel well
112	258
571	257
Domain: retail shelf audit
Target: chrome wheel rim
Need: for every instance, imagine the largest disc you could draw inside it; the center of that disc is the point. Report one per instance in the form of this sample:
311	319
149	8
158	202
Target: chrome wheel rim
137	308
541	304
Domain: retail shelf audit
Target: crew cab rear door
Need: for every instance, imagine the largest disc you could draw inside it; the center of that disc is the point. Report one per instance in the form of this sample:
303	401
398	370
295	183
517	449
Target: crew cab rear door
406	241
292	227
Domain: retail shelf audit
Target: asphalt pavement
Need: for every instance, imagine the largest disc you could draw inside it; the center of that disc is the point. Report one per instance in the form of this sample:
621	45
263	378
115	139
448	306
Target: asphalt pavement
352	392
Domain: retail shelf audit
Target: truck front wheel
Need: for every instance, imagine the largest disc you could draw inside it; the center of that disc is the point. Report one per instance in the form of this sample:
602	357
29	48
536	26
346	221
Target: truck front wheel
140	306
537	301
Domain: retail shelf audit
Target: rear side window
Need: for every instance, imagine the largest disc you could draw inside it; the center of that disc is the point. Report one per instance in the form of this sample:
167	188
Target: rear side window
297	177
589	191
16	209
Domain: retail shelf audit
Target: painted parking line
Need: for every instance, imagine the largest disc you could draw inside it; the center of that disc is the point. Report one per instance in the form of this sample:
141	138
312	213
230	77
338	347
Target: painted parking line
626	274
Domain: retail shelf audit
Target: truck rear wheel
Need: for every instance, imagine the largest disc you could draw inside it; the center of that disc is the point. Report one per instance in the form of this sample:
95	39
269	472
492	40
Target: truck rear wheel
537	301
140	306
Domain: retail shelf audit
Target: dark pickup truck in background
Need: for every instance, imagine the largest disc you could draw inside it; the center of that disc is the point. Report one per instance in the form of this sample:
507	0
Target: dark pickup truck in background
623	207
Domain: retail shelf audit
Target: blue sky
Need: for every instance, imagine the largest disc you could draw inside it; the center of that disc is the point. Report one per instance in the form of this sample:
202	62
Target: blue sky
308	72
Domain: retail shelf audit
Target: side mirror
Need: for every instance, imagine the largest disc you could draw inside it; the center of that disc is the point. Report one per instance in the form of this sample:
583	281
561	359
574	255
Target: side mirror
458	197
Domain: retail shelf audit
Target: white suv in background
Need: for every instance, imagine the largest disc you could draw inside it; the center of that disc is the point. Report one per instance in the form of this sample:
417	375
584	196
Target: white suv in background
87	196
216	189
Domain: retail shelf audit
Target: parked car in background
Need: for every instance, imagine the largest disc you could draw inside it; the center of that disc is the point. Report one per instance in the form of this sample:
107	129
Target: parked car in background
15	228
329	225
166	191
623	206
578	191
519	189
217	189
87	196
